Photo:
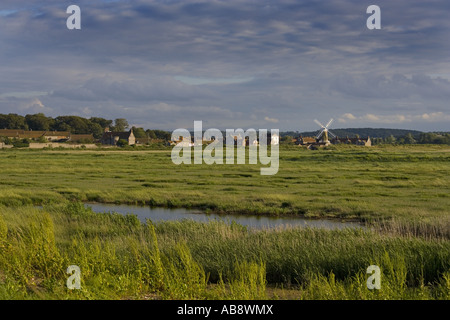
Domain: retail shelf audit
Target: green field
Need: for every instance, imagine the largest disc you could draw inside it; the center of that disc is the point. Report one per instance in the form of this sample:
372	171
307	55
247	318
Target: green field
401	192
352	183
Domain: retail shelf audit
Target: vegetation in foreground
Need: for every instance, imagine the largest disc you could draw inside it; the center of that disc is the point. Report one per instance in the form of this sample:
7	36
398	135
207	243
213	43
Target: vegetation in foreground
121	258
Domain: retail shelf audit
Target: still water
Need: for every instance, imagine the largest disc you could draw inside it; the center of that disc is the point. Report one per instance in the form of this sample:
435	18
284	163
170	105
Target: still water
252	221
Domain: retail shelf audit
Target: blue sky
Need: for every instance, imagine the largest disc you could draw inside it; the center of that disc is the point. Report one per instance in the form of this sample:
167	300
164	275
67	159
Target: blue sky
249	64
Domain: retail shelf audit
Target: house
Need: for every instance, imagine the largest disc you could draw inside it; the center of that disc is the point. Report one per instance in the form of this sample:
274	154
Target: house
111	137
303	141
56	135
309	141
183	142
143	140
251	142
10	133
81	138
273	139
204	141
235	139
35	135
356	141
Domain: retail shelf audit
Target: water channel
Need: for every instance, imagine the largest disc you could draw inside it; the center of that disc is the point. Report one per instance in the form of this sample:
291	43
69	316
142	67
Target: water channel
252	221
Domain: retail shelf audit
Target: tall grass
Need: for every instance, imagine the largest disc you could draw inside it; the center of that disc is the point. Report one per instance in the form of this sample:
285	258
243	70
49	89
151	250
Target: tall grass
183	278
248	281
419	227
120	258
393	285
3	231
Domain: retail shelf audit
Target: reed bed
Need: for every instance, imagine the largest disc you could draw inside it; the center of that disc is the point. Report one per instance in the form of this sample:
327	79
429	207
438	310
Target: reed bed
121	258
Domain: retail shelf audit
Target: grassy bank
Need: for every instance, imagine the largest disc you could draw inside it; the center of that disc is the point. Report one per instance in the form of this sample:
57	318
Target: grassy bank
120	258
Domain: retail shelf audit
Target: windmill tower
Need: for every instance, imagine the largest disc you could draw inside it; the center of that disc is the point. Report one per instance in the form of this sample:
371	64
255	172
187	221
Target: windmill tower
322	137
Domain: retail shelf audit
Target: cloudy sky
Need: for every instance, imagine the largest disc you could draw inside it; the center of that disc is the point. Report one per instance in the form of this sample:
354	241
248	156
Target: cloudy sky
244	63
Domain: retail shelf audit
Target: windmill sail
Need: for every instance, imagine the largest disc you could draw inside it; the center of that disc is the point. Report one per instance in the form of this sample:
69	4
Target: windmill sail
324	131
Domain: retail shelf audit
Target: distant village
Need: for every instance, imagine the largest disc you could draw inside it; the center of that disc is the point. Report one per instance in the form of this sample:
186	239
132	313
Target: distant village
39	131
42	139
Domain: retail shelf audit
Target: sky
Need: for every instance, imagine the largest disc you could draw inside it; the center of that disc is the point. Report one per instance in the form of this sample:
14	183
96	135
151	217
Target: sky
231	64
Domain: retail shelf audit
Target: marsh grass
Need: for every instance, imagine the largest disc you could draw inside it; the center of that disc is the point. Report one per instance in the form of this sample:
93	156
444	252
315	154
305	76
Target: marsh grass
394	285
121	258
420	227
345	183
248	281
400	192
183	278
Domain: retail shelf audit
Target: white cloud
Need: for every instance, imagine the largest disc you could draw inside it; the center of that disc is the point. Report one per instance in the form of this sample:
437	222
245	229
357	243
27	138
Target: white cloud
273	120
346	117
434	116
34	106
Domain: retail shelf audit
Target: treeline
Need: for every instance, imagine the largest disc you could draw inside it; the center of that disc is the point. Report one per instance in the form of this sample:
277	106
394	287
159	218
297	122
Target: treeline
422	138
152	134
75	125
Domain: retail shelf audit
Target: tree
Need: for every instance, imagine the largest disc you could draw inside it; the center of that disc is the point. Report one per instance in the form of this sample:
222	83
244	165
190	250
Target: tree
76	124
104	123
3	121
22	143
38	122
95	129
286	139
13	121
391	139
160	134
151	134
409	139
122	143
427	137
139	132
62	126
377	141
6	140
120	124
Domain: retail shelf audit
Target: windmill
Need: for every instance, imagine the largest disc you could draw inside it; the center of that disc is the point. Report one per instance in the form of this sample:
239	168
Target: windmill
324	132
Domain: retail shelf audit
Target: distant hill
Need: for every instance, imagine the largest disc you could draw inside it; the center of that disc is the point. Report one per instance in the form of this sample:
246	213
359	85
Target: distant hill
362	132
